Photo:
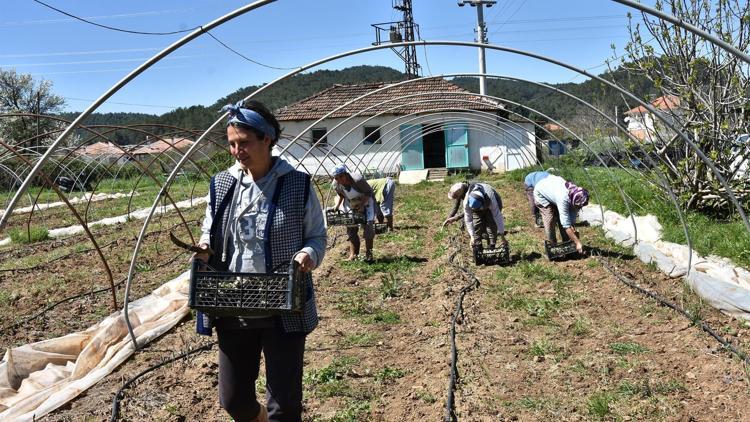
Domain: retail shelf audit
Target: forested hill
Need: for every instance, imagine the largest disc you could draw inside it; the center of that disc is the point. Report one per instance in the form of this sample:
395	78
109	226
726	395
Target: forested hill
307	84
559	106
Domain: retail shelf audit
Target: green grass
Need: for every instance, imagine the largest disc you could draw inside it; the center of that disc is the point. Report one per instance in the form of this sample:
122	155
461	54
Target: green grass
388	264
708	235
23	236
599	404
533	273
581	327
330	381
390	286
542	347
389	374
383	317
355	410
628	348
425	396
360	339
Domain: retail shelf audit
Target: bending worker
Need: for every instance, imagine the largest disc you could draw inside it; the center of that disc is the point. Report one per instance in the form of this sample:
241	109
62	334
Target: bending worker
482	212
262	213
529	182
385	190
353	190
559	202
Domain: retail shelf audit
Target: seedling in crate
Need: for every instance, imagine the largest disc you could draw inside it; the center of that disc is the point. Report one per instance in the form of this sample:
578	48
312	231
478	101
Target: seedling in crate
559	250
492	256
222	293
341	218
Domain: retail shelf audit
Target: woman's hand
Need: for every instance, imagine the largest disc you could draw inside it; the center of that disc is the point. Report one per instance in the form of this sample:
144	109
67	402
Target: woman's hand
202	256
449	221
306	263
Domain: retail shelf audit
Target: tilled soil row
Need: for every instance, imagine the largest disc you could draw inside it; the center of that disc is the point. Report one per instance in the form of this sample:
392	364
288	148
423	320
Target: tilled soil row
537	339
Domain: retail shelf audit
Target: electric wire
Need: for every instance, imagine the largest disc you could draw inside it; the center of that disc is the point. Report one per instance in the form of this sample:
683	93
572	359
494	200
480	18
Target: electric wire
245	57
112	28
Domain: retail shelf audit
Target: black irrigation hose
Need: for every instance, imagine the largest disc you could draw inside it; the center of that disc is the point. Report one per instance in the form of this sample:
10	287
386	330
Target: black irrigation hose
120	393
665	302
450	414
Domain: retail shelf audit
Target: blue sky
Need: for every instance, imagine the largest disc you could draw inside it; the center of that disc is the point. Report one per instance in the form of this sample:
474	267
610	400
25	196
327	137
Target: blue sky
83	61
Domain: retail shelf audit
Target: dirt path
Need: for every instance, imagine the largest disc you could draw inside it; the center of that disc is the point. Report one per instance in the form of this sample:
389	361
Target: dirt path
538	339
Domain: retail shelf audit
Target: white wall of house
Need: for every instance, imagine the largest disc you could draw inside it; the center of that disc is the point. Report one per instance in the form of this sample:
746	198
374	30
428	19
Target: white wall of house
507	146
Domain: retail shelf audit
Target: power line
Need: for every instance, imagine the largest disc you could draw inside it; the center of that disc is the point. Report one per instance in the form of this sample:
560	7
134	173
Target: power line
112	28
120	15
247	58
118	103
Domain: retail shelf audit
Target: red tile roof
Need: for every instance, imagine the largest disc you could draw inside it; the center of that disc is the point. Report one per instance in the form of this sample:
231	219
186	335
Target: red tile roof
99	148
161	145
667	102
318	105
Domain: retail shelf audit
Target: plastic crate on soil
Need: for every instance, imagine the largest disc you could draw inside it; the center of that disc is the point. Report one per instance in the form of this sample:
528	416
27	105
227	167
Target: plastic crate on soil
559	250
221	293
340	218
380	228
495	256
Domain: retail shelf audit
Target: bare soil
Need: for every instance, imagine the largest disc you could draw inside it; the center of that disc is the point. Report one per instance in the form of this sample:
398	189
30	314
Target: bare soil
537	340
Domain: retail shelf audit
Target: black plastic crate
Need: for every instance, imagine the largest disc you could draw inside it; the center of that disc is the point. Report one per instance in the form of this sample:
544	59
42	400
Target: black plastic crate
560	250
340	218
380	228
221	293
494	256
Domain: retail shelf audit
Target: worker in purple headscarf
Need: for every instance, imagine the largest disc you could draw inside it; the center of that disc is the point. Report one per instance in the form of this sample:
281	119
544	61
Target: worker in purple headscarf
559	202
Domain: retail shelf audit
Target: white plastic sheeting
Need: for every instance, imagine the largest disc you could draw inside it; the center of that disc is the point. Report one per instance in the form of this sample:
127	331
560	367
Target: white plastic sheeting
109	221
717	280
37	378
86	197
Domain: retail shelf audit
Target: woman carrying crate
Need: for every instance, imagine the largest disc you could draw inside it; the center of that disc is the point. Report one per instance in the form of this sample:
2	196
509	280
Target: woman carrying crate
384	190
354	192
559	202
483	213
262	213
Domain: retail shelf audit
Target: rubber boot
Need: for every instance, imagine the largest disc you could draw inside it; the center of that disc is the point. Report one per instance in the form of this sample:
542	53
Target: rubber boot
389	222
262	415
368	250
353	250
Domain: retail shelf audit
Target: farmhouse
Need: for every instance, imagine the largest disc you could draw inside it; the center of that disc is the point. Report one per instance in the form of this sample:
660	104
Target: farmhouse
385	128
641	122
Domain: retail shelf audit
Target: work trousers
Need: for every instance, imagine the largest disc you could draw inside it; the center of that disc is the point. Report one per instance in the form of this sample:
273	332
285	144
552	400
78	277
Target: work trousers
368	231
239	362
532	204
551	220
484	223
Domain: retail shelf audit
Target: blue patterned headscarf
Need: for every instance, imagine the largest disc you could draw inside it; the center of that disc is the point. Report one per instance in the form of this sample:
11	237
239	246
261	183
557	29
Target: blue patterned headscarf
248	118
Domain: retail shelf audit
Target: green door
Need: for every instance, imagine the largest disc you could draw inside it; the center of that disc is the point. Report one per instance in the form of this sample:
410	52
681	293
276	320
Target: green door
412	152
457	146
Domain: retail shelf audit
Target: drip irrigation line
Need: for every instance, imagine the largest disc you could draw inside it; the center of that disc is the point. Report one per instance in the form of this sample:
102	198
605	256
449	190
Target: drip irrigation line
120	393
245	57
458	313
112	28
696	320
71	298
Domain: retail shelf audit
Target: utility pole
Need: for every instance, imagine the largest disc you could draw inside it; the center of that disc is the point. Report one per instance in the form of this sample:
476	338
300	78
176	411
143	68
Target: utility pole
481	37
399	31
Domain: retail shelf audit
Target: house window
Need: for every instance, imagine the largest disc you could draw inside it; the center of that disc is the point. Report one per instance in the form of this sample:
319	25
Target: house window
372	135
319	136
